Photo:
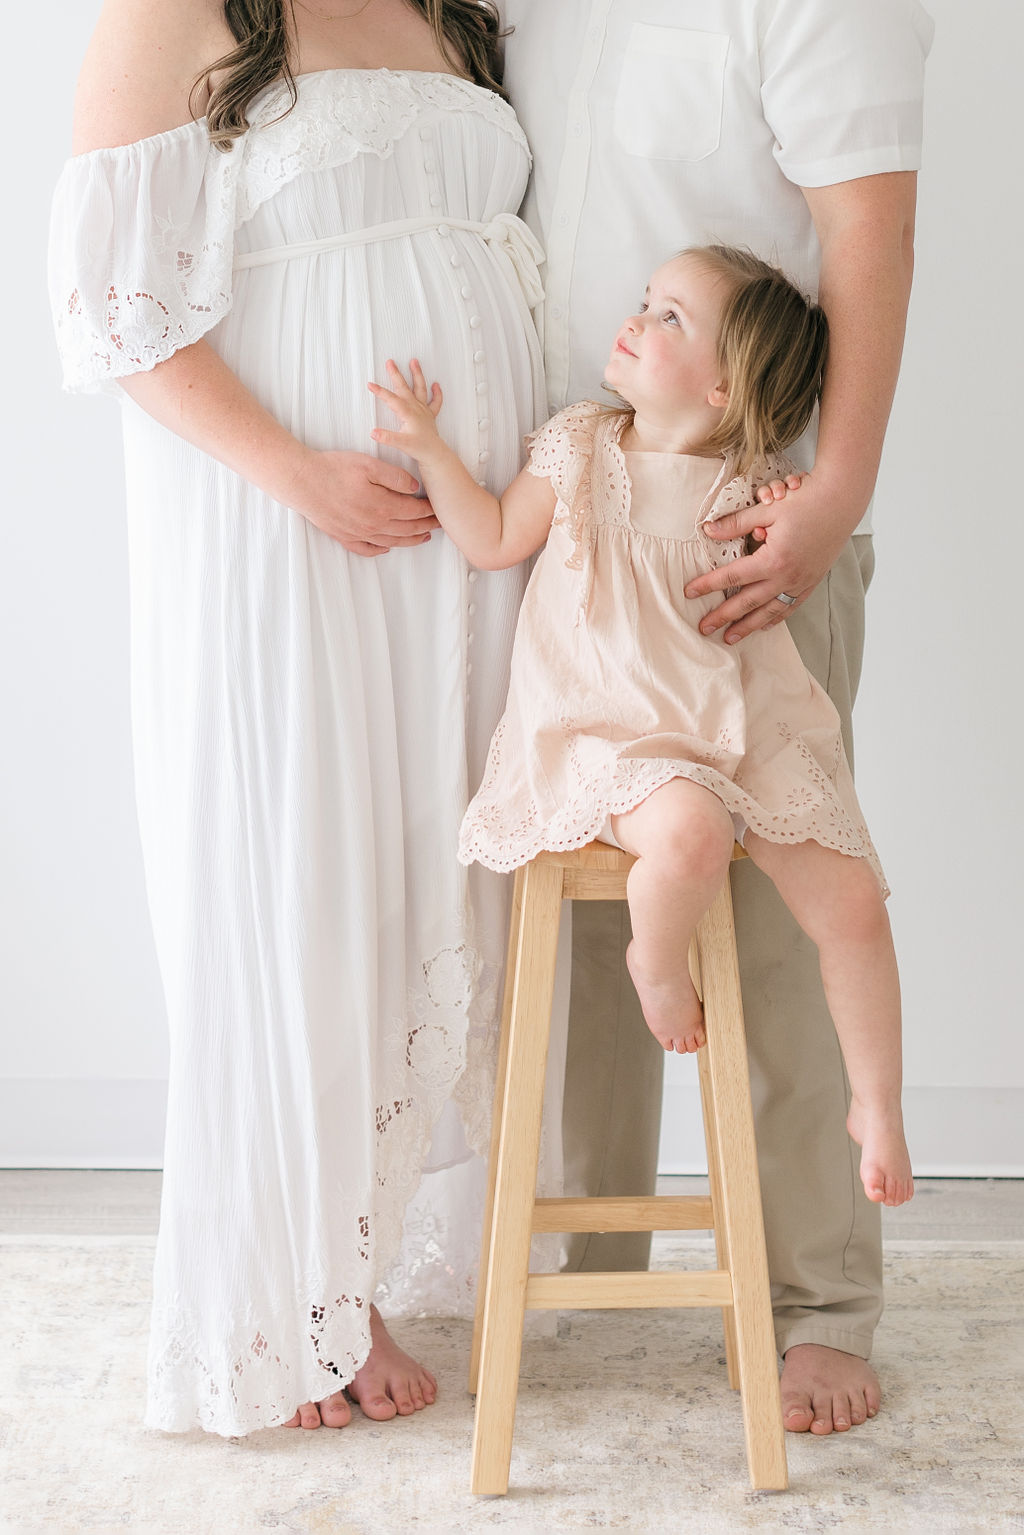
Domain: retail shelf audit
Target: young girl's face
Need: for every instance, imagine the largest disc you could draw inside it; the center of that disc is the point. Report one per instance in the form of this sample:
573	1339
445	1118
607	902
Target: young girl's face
665	357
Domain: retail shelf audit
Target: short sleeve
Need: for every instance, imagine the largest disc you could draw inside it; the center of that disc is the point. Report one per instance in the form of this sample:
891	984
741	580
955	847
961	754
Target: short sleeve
842	86
561	449
141	251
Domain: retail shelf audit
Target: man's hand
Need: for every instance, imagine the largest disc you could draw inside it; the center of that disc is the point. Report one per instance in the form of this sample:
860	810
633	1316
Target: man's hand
801	537
363	503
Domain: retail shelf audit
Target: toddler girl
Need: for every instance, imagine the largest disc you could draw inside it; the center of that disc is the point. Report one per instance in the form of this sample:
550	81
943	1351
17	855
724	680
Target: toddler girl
625	722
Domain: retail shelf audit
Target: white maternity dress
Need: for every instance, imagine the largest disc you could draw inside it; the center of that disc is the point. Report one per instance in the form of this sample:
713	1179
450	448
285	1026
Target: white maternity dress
308	722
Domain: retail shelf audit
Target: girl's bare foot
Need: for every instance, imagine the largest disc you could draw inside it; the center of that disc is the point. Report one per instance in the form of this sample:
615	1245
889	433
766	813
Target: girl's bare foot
390	1384
671	1007
885	1161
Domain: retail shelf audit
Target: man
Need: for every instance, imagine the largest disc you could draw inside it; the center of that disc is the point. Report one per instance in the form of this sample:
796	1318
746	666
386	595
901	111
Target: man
792	127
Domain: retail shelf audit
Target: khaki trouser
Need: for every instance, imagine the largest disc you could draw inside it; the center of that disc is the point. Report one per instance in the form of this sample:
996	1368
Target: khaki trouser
824	1236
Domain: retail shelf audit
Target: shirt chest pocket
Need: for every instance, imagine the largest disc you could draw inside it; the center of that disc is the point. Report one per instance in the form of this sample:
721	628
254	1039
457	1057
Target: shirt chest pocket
671	89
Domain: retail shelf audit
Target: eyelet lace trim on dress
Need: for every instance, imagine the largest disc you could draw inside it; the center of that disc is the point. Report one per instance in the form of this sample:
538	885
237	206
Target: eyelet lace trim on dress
142	240
448	1042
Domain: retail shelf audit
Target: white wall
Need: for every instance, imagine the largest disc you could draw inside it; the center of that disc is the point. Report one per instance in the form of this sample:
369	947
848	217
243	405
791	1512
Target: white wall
83	1049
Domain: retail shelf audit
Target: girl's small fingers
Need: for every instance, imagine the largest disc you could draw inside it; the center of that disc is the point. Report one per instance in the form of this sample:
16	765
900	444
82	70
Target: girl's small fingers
379	434
397	377
436	398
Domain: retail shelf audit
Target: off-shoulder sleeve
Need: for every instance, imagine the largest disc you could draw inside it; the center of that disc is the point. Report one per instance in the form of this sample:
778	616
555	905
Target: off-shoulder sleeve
141	250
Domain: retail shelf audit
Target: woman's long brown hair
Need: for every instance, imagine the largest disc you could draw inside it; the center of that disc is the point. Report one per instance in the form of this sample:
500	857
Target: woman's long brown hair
466	31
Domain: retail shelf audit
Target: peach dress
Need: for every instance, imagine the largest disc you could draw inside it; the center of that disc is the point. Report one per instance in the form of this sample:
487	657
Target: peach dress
615	691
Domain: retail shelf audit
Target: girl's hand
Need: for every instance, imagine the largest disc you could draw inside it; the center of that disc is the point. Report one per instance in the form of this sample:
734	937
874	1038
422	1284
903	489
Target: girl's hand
775	490
416	407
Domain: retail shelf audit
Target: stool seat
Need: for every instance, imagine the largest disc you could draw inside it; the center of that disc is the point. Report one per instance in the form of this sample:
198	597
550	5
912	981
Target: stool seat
732	1209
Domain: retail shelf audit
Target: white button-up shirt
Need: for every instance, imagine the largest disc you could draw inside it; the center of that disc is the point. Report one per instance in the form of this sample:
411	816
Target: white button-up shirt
658	124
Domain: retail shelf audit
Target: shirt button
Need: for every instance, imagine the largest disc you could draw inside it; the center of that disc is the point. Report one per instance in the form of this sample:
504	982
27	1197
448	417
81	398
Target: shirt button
424	133
479	356
443	229
435	201
557	311
471	576
469	667
455	260
466	291
469	637
475	322
471	610
483	457
428	166
484	421
481	388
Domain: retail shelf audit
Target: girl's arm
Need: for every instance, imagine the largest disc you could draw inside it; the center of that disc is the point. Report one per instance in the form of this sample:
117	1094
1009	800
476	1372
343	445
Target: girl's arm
492	533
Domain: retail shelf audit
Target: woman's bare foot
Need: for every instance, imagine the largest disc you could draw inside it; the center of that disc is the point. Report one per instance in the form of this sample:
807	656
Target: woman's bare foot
885	1161
332	1412
826	1390
389	1384
671	1007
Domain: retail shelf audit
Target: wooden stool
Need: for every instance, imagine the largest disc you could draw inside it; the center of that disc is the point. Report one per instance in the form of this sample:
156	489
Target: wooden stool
739	1285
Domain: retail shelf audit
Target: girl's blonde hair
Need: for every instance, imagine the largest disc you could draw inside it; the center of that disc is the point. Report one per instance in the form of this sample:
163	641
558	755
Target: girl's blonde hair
772	349
467	33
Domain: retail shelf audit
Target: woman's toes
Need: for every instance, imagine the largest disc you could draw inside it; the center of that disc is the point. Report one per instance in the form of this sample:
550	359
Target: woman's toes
335	1411
842	1413
308	1416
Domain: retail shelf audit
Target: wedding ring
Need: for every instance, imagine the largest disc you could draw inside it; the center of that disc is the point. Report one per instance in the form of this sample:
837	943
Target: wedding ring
787	599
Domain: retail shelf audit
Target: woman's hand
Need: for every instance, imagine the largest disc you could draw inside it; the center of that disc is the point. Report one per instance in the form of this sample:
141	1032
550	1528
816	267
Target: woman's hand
801	531
416	407
361	502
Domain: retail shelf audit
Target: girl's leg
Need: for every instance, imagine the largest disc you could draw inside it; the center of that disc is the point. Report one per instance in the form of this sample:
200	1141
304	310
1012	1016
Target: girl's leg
837	902
682	836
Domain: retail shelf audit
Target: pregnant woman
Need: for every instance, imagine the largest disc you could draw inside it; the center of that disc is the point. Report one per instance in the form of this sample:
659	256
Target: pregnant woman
266	200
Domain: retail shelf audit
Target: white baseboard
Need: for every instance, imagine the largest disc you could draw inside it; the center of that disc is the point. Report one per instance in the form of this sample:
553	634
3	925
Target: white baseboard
953	1132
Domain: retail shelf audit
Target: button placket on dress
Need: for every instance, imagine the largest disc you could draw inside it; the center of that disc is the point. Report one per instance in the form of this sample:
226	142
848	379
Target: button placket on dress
474	323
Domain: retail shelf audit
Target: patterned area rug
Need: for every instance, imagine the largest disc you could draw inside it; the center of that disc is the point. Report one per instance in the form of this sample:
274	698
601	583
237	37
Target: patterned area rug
625	1420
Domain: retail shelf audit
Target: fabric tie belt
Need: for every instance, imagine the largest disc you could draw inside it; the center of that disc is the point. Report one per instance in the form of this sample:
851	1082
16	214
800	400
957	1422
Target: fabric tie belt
506	235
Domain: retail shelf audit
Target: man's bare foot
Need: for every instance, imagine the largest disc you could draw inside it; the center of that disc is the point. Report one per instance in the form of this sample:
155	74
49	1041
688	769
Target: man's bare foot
671	1008
825	1389
885	1161
389	1384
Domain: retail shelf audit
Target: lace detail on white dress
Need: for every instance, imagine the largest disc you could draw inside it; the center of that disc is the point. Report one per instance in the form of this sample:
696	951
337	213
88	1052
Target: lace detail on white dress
141	245
142	236
341	114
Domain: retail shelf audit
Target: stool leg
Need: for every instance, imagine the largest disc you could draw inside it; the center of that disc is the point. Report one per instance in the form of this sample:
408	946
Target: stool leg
741	1196
516	1179
499	1095
718	1210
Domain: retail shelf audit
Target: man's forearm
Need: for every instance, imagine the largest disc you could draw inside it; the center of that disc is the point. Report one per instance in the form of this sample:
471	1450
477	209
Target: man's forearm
866	230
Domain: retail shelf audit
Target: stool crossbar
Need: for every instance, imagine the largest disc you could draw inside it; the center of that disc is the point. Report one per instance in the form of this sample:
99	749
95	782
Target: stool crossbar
732	1209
